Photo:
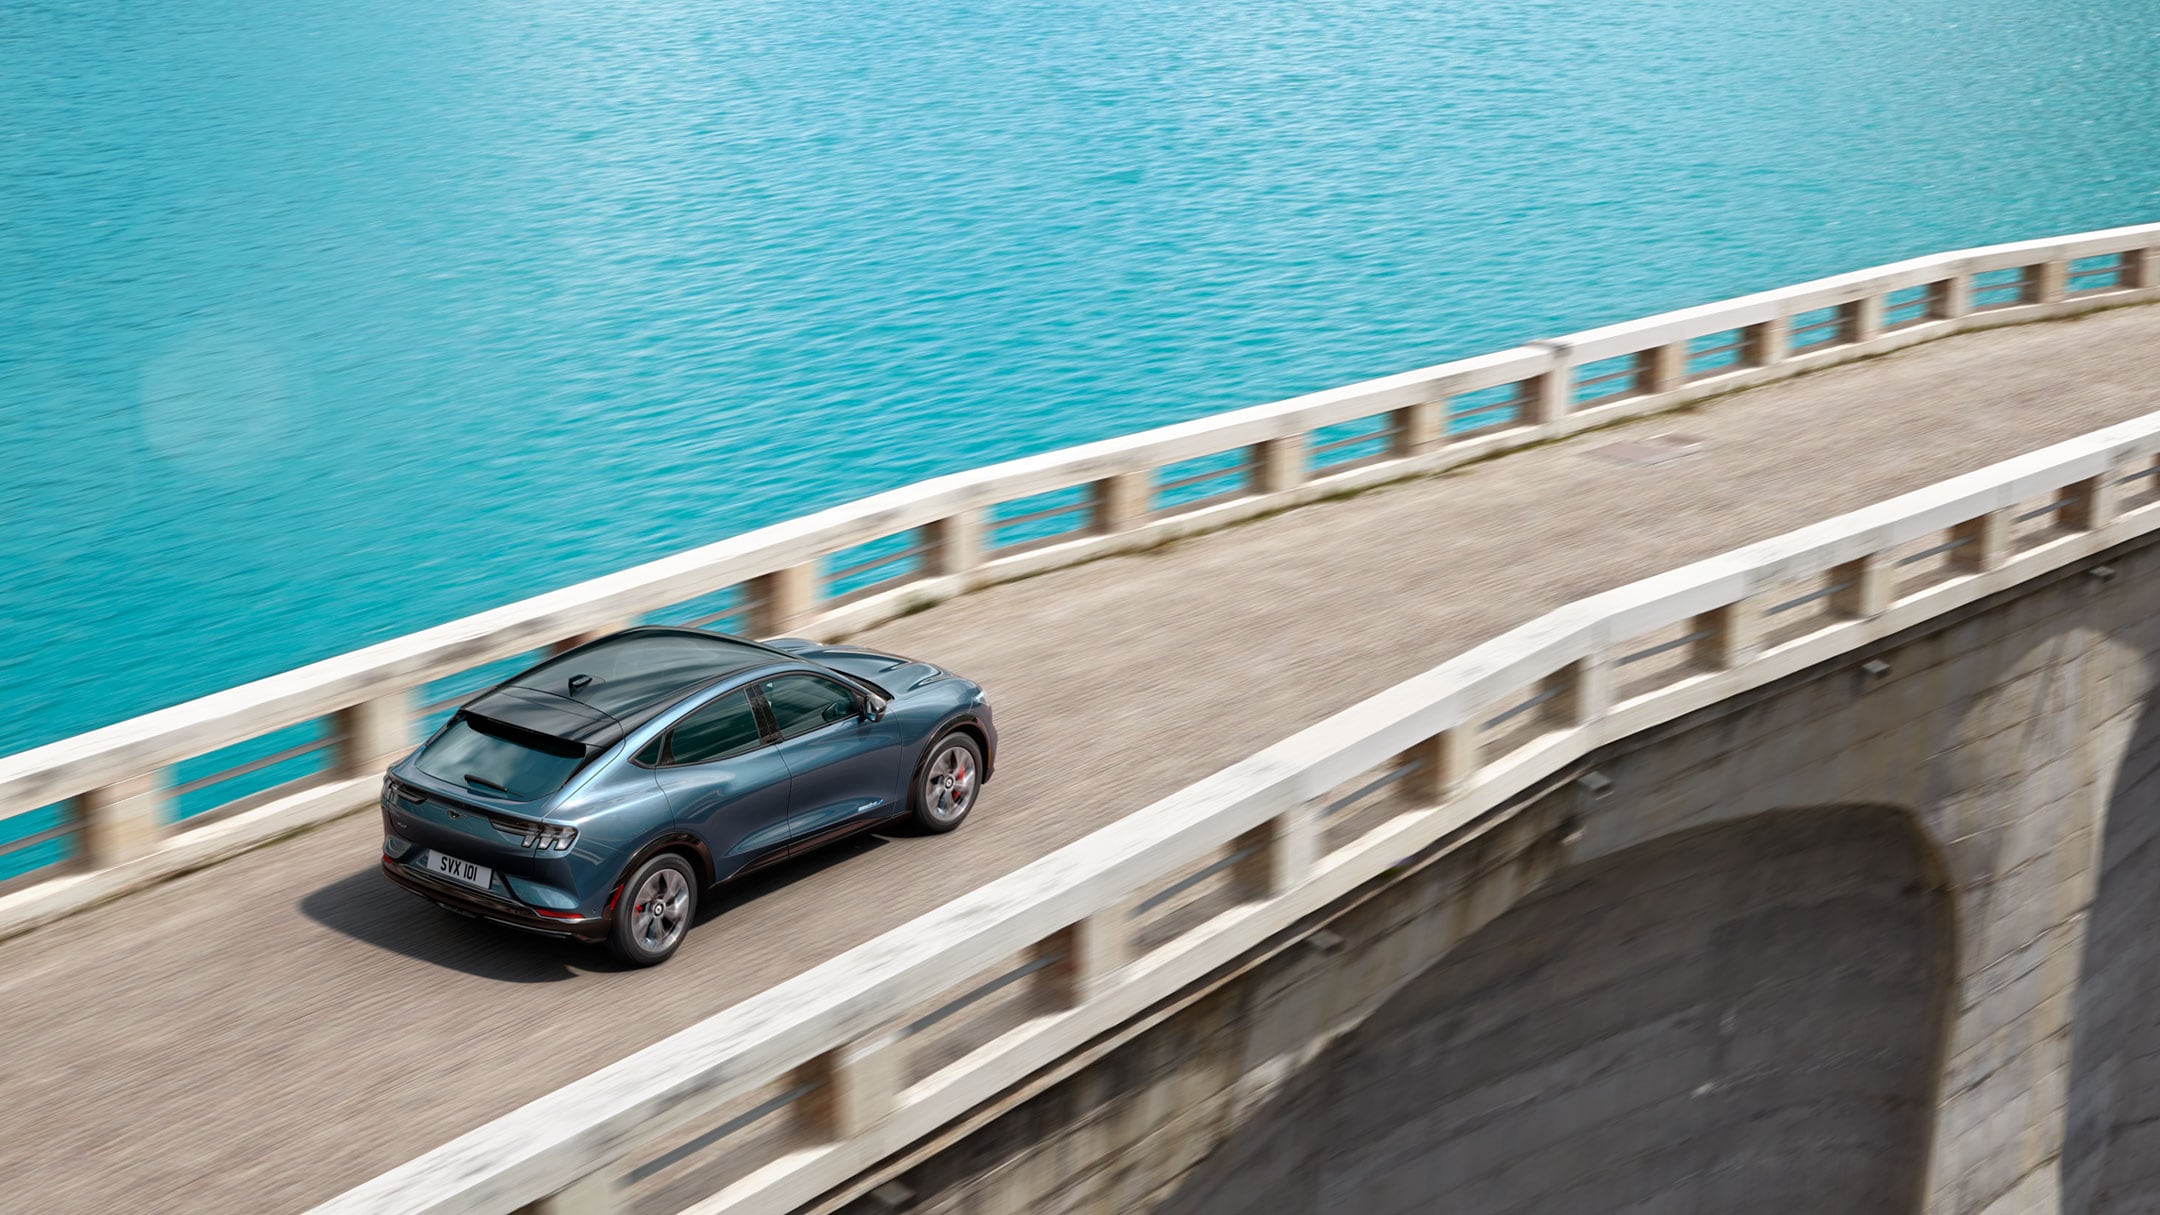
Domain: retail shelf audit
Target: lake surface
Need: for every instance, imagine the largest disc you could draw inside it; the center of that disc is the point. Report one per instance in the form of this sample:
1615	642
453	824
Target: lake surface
322	322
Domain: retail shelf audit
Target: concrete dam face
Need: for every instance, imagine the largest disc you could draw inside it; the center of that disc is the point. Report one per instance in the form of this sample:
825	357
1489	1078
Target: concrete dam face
1740	1017
2111	1123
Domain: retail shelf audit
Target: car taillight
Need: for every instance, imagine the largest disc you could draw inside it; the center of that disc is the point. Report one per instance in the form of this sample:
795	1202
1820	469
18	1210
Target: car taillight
549	838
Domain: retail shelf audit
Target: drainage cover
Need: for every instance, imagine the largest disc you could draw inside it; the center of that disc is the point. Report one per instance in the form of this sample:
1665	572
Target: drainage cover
1649	450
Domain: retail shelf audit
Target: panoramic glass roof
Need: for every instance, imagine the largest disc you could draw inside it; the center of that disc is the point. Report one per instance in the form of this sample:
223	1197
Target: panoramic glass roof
632	670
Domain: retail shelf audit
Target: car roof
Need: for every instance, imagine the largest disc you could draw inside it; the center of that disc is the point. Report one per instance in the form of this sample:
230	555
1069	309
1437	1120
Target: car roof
600	691
634	668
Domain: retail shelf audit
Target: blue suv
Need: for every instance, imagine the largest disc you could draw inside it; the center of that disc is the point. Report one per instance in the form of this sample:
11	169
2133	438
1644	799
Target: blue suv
596	795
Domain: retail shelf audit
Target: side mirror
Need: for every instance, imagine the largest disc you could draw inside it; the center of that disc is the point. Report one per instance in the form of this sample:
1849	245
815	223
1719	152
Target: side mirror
873	708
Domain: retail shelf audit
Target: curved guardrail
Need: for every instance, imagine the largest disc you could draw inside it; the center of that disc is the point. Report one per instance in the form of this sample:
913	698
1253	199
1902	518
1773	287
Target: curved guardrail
175	789
800	1088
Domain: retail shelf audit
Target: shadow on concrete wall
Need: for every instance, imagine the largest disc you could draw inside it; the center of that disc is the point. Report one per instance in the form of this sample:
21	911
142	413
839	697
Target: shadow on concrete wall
2111	1139
1743	1017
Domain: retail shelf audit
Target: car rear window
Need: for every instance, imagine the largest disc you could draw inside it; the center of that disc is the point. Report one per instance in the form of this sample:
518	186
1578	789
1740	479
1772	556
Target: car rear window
489	759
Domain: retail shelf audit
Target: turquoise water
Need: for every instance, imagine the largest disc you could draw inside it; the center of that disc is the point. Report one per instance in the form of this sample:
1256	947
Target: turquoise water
324	322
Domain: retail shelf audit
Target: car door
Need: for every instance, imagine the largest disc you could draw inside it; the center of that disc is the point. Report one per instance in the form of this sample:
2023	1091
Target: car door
843	766
725	782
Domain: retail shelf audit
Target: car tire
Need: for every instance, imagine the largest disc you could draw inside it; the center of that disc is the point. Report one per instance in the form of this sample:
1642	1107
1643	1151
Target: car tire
947	782
653	913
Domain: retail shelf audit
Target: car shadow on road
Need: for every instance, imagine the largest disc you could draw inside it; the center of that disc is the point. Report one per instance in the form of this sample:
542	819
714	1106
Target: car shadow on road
365	906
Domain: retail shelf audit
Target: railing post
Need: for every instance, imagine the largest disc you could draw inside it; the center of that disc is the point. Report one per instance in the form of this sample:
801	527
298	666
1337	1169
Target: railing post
1956	296
1665	367
2050	281
1441	765
1933	307
1865	321
592	1194
2141	268
1280	851
956	542
1122	502
123	820
1766	343
851	1089
2091	503
1551	396
1582	691
1983	542
1279	464
1731	635
1086	952
372	735
1418	427
784	599
1864	587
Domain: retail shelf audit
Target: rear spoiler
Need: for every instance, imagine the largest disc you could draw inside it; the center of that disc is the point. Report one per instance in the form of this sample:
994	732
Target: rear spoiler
532	740
543	721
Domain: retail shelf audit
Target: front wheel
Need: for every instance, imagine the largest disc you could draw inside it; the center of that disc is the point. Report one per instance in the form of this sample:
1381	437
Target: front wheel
950	776
653	914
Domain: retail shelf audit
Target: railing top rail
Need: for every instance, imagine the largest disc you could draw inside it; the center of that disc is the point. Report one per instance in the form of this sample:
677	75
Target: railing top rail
544	1146
71	766
1640	333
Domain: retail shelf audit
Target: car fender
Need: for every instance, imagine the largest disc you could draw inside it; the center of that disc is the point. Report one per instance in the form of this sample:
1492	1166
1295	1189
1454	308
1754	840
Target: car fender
960	717
669	839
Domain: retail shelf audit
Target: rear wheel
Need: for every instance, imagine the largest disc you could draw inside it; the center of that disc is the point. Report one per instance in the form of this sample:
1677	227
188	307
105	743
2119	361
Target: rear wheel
945	787
653	914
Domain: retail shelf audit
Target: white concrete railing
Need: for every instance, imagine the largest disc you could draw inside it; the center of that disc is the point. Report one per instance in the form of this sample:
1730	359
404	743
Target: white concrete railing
110	795
837	1053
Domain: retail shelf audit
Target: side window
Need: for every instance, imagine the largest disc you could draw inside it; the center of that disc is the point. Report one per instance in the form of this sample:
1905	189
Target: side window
802	703
727	726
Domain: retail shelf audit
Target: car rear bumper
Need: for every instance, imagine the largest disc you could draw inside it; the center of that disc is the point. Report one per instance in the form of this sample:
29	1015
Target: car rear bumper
467	901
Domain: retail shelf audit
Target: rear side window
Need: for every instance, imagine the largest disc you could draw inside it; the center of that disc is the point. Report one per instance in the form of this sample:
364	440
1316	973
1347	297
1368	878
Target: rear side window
727	726
489	759
802	703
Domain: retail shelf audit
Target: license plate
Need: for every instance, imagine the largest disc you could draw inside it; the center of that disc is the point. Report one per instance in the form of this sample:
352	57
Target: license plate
477	876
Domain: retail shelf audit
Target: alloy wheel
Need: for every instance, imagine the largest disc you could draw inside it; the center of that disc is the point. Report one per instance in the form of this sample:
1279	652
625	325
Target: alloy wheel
660	912
949	786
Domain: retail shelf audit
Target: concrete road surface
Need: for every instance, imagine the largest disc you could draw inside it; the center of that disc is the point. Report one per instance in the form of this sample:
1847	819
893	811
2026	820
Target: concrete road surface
260	1035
